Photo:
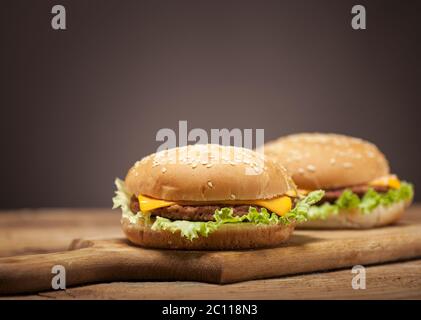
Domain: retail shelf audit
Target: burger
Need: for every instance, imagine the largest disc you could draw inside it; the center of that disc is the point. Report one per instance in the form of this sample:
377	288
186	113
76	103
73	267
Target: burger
209	197
360	191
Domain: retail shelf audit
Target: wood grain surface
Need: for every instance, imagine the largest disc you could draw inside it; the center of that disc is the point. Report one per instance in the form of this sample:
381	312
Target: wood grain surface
400	280
29	231
389	281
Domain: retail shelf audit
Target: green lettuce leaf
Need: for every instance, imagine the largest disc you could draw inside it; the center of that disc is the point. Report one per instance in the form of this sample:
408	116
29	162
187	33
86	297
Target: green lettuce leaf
366	204
301	210
348	199
322	211
260	217
188	229
122	197
122	200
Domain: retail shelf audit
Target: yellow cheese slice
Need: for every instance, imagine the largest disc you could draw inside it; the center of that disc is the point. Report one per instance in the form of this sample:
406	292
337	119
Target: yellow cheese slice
280	205
148	204
391	181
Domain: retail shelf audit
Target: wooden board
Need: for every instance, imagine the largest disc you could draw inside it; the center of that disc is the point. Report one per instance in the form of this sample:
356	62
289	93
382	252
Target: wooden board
399	280
116	260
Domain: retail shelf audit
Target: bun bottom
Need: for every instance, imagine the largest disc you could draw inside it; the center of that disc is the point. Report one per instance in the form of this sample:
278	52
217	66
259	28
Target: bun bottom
227	237
354	219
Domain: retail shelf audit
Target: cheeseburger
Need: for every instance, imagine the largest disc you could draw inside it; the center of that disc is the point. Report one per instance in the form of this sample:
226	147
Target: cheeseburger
209	197
360	191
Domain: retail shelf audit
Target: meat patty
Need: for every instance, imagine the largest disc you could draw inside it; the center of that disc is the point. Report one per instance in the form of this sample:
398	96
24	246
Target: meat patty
134	204
190	212
333	194
197	213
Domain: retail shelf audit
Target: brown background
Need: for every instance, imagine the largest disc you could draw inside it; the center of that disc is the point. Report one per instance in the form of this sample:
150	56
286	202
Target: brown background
79	106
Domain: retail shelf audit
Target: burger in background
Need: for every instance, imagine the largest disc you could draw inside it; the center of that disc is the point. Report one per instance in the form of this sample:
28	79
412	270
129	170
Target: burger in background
204	197
360	191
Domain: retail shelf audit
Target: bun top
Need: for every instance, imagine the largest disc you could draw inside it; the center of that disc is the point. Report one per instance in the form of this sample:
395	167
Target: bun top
208	173
318	160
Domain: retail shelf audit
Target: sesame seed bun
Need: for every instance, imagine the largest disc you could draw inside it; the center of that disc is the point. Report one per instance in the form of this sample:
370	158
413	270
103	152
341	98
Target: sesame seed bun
208	173
227	237
326	161
354	219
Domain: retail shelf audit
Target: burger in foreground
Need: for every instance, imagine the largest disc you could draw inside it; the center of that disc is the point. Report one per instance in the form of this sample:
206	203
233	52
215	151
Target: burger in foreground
360	192
209	197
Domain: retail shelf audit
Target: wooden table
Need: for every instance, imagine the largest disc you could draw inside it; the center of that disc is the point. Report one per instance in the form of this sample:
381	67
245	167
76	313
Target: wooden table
49	230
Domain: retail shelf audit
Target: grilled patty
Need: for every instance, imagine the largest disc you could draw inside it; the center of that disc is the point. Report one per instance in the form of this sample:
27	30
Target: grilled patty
333	194
197	213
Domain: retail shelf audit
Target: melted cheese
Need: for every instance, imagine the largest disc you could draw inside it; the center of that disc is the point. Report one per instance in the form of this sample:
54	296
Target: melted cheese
148	204
280	205
390	181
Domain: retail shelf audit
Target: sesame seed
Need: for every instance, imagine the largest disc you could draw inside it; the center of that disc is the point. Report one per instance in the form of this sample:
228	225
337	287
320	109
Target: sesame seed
347	165
210	184
311	168
232	196
209	165
194	165
163	170
332	161
300	170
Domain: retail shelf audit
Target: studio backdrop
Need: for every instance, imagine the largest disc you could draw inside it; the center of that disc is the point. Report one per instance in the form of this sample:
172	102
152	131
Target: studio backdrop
80	105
